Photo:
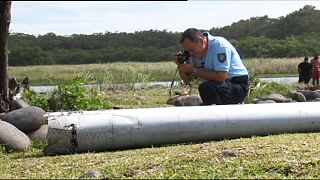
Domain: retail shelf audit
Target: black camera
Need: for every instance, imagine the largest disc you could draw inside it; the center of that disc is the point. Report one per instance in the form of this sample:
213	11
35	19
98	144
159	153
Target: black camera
183	57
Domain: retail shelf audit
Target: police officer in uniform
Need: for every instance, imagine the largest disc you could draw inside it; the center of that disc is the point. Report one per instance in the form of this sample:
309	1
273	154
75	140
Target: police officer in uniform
218	63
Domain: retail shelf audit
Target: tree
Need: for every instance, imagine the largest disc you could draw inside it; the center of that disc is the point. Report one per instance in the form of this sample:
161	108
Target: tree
5	18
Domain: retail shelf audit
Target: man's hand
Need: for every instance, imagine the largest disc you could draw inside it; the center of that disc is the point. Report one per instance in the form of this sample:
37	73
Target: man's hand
177	62
185	71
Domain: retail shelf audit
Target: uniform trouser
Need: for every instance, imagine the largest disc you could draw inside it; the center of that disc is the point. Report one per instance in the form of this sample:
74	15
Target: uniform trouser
221	93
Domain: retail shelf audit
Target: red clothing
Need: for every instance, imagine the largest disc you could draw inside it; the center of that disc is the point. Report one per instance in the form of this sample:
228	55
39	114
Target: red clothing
316	68
316	74
316	65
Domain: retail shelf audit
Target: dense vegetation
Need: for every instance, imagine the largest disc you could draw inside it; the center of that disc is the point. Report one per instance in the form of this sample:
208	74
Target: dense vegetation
295	35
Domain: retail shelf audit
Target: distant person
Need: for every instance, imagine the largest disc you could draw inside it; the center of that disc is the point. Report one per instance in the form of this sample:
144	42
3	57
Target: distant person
305	71
316	70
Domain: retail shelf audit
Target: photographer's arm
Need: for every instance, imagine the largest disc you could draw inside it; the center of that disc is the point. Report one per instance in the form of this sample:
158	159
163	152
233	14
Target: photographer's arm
219	76
186	69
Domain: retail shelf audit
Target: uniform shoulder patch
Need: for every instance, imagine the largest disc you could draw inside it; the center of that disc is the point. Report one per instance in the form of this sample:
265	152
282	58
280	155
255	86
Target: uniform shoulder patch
222	57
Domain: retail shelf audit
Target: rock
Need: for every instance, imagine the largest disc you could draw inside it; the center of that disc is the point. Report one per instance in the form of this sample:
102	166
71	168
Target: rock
186	100
12	137
310	95
298	96
39	134
265	101
26	119
275	97
228	153
90	175
315	100
18	104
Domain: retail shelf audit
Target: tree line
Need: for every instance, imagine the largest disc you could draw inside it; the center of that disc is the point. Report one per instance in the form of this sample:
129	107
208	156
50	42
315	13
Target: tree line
295	35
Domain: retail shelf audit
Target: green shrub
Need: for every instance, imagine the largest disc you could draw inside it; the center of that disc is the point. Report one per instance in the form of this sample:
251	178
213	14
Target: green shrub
34	99
262	88
72	95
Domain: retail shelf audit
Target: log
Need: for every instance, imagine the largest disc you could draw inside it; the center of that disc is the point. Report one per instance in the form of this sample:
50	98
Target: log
5	18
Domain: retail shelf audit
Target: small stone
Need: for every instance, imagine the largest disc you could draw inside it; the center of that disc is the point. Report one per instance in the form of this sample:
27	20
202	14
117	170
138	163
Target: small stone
317	90
90	175
229	153
39	134
315	100
185	100
298	97
265	101
275	97
12	137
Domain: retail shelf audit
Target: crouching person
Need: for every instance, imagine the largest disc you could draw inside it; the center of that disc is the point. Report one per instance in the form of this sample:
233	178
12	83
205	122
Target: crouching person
217	62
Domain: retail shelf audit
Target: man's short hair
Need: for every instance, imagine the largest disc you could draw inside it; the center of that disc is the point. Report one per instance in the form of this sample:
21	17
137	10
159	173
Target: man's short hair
192	34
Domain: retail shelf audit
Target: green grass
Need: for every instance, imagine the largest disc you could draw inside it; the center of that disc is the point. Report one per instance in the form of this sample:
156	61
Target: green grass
273	67
124	72
132	72
275	156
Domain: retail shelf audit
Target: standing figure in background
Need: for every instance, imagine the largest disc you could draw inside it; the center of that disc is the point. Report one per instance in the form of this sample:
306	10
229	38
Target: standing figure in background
316	70
305	71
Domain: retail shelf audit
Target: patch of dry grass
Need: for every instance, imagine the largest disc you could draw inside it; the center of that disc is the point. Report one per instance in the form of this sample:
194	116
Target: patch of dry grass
132	72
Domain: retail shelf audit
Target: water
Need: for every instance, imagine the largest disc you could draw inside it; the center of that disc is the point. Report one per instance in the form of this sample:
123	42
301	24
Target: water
282	80
43	89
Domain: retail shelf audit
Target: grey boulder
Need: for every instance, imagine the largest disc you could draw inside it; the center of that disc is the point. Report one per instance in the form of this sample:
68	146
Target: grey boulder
315	100
12	137
310	95
39	134
275	97
26	119
298	96
18	104
185	100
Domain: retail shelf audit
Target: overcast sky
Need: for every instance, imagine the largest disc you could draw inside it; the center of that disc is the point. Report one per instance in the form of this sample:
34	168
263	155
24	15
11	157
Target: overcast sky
70	17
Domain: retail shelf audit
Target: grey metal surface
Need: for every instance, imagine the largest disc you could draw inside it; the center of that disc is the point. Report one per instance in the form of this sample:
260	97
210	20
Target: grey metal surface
132	128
